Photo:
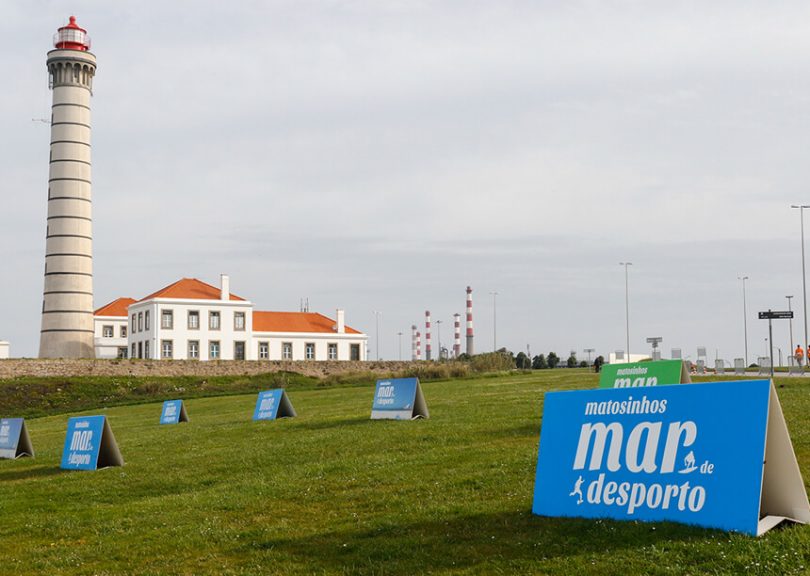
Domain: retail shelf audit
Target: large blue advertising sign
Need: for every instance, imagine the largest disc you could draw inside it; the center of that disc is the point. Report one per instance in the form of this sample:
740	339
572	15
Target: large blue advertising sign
14	440
691	454
173	412
90	444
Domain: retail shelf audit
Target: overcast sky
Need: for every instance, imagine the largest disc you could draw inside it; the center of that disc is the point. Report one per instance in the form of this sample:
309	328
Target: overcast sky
384	155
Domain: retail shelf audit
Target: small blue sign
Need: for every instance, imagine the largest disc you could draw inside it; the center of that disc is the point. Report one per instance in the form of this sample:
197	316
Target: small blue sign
395	398
10	429
83	442
267	404
691	454
173	412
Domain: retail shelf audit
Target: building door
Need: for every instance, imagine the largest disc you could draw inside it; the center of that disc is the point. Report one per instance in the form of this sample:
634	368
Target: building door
238	350
355	352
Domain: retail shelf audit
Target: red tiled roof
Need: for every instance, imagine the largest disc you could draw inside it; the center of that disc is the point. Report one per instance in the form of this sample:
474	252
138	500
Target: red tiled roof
295	322
189	289
115	308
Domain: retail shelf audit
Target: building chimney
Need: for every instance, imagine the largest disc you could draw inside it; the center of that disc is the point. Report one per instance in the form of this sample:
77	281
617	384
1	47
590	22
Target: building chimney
413	342
341	321
225	283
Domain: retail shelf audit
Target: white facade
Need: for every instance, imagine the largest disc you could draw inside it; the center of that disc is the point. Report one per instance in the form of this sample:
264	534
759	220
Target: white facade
110	337
191	320
175	329
4	350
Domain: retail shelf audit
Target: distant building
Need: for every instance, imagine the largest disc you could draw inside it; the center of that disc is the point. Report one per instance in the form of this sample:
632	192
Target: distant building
192	320
111	329
4	349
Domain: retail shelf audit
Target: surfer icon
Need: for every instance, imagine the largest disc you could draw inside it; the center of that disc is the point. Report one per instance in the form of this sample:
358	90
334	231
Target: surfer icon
688	463
577	491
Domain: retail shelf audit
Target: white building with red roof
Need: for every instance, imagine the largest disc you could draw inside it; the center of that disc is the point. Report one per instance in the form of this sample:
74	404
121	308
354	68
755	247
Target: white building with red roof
192	320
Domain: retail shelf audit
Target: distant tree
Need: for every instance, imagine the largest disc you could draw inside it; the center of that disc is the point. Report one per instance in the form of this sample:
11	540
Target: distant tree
597	364
553	360
539	362
463	357
572	361
583	364
522	362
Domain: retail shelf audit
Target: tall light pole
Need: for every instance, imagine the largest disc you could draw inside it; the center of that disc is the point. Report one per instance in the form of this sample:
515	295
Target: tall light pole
400	345
377	315
627	306
494	321
801	208
745	318
791	328
439	336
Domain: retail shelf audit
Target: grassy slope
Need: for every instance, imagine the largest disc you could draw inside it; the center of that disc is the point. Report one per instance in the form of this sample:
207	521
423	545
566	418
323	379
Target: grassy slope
332	492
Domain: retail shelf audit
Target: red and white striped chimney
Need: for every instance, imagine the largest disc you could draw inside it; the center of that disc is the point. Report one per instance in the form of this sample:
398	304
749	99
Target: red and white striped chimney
457	335
427	335
413	342
418	345
469	323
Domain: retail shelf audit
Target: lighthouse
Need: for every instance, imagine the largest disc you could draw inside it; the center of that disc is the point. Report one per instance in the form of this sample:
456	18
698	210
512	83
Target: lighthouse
67	305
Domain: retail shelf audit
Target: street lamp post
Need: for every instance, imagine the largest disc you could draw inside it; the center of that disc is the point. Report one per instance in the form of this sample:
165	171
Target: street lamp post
400	345
745	318
627	307
439	336
494	321
801	208
377	315
790	352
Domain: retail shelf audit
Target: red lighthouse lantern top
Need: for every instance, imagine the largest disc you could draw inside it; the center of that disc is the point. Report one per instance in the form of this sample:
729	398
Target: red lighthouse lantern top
71	37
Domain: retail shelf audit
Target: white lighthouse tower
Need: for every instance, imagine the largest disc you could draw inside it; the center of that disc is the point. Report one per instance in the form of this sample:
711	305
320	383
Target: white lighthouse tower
67	305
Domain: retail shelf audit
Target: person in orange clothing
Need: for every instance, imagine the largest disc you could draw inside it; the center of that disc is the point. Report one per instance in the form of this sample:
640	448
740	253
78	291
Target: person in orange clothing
799	355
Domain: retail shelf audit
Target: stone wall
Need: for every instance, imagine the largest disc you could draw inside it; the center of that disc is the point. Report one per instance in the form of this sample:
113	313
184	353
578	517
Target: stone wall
67	367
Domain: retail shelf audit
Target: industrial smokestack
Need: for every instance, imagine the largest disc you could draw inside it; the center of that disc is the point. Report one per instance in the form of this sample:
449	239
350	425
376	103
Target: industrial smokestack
470	349
413	342
457	335
427	335
418	345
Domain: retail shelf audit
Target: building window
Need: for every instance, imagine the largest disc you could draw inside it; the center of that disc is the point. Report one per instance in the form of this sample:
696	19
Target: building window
238	350
166	319
146	320
107	331
264	350
213	320
332	351
134	325
239	321
213	349
123	331
122	352
146	350
354	352
193	319
133	350
286	350
193	349
309	351
166	349
140	322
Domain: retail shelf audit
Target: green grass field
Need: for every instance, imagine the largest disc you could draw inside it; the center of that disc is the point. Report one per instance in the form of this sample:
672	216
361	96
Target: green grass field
331	492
